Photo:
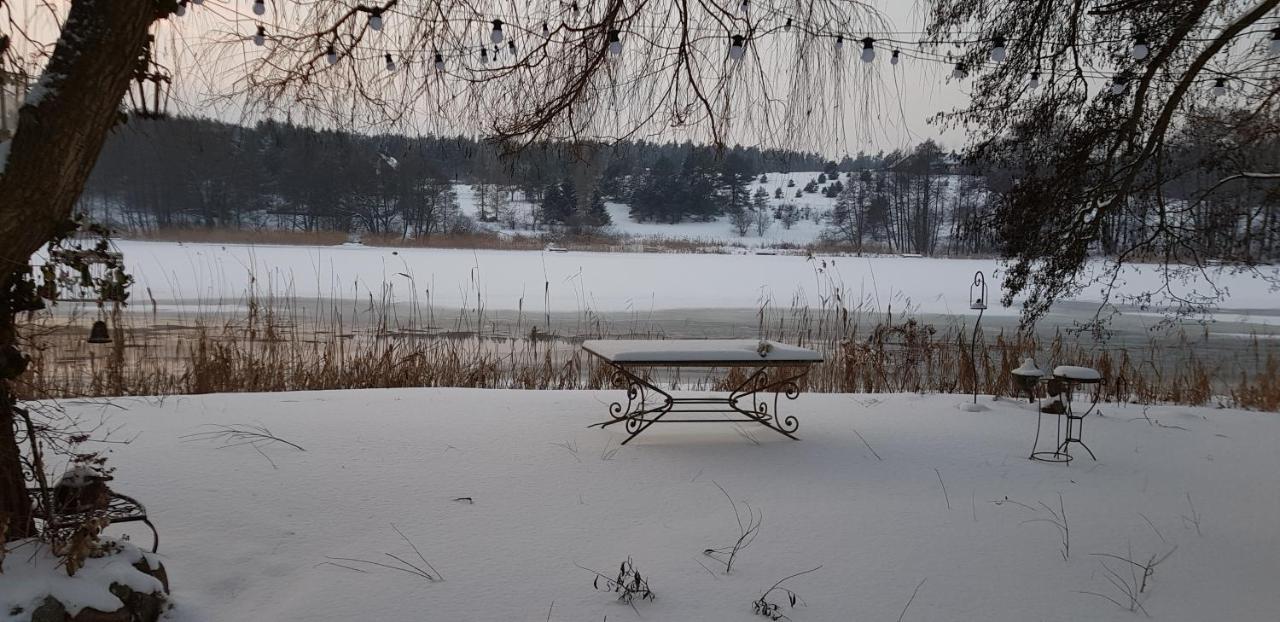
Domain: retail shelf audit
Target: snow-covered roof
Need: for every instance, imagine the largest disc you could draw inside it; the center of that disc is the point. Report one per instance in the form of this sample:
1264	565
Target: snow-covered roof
699	351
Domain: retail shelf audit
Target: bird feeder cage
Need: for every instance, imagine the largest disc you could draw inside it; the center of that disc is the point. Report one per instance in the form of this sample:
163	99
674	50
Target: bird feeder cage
978	292
99	333
149	93
13	90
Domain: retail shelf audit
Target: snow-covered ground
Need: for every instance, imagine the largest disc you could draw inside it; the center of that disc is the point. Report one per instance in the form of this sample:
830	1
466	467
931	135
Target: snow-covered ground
884	493
603	282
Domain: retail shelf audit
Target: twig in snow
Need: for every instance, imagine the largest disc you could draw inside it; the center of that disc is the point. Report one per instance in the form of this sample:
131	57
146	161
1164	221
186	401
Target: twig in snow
628	584
869	448
1130	587
402	565
571	447
467	499
912	599
747	532
236	435
944	487
1058	519
1194	519
762	606
1153	527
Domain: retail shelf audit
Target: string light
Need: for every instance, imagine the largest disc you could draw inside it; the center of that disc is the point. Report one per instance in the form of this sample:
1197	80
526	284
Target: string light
1034	80
375	20
259	7
745	5
615	42
439	61
182	8
484	55
1275	41
998	51
496	35
574	8
331	55
868	50
893	58
391	62
511	46
260	37
1140	48
787	26
1119	85
1219	87
545	29
959	72
738	48
839	42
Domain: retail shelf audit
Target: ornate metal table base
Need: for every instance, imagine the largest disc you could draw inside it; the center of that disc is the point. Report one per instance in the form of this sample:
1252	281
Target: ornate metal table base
647	404
1074	427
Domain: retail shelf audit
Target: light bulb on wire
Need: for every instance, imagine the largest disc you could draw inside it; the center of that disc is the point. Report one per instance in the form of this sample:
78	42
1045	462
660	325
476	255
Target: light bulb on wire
615	42
787	26
1119	85
182	8
1275	41
511	47
375	20
260	37
893	58
496	34
1219	87
960	72
1140	48
1033	80
839	42
998	50
868	50
259	7
391	62
746	4
331	55
439	61
484	55
737	49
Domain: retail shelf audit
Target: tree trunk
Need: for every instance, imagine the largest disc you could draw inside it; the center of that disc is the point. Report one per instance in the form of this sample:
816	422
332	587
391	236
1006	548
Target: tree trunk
60	133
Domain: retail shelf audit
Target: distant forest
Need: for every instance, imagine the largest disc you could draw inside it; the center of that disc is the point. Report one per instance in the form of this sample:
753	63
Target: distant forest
187	172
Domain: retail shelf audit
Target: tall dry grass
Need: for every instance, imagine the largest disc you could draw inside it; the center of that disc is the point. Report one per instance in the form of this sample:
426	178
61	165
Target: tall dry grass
273	342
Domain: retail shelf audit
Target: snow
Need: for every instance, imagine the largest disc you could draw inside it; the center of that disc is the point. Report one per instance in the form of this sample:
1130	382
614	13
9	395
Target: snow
874	492
1072	372
32	572
697	350
577	281
1028	368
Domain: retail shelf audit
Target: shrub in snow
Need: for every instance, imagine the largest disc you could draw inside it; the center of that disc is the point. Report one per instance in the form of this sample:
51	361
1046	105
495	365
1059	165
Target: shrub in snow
628	585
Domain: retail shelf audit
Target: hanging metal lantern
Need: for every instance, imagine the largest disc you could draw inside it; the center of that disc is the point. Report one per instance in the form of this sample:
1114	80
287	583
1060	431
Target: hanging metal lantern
149	94
978	292
99	333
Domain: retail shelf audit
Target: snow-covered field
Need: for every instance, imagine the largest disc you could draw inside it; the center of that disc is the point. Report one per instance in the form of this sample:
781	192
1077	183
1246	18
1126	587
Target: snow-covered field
885	493
607	282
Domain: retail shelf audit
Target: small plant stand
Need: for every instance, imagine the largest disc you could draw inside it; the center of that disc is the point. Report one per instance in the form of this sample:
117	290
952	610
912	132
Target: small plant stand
1070	422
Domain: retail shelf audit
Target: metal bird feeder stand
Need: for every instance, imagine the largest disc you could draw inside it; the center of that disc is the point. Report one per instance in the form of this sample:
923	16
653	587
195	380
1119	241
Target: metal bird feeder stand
977	302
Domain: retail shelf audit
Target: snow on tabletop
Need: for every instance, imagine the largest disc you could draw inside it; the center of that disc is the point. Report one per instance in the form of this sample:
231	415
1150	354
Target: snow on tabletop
32	572
697	350
1073	372
1028	368
245	541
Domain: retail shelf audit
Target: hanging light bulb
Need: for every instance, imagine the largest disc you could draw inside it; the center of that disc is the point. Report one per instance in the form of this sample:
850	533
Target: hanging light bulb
893	58
375	20
1034	80
259	7
391	62
260	37
511	47
545	29
1219	87
1140	48
868	50
439	61
787	26
1119	85
839	42
331	54
496	35
574	8
484	54
998	51
182	8
959	72
746	4
1275	41
615	42
738	48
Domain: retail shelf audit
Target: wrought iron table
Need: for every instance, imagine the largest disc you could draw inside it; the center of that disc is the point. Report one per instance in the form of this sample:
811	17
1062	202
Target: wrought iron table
120	508
776	368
